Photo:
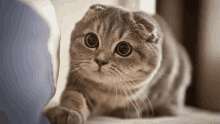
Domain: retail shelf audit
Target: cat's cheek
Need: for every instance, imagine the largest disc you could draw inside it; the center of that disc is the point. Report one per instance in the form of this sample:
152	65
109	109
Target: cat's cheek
132	74
81	49
94	66
90	69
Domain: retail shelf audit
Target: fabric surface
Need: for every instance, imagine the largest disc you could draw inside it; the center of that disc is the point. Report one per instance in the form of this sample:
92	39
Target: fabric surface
25	67
190	115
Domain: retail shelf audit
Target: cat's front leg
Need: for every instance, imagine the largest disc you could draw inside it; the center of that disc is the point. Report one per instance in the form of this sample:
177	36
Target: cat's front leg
72	109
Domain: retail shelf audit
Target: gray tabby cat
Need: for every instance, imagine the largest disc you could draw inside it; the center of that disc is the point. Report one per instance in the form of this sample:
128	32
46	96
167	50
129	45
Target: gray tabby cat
123	64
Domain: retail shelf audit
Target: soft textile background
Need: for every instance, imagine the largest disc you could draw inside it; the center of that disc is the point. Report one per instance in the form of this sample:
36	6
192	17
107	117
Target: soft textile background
25	66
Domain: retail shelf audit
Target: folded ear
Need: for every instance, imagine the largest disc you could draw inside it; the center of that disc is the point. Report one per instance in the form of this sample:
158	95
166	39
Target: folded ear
93	10
97	7
146	26
151	35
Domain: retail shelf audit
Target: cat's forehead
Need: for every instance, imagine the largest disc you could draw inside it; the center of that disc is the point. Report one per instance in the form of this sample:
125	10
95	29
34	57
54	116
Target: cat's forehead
110	21
108	15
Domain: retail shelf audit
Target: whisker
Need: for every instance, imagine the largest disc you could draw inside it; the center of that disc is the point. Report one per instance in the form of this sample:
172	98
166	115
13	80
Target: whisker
139	95
135	102
130	99
126	112
74	70
73	78
130	79
150	105
82	77
119	70
146	98
82	74
108	89
115	93
125	95
78	75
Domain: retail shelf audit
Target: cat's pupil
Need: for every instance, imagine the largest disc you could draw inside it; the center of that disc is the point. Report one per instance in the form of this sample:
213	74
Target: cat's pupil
92	40
123	49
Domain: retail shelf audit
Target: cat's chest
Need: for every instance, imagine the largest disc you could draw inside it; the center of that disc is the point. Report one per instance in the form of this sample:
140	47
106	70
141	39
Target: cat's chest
102	101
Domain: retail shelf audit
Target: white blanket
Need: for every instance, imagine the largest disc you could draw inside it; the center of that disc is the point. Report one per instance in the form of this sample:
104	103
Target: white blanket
189	116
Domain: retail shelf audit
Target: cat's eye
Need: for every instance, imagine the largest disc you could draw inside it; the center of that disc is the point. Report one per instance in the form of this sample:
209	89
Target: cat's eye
91	40
123	49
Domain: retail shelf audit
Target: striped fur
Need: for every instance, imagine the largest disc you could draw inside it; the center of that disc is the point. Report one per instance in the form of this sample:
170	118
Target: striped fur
151	81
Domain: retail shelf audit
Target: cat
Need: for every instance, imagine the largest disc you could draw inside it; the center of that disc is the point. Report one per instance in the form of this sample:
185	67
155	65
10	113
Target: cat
123	64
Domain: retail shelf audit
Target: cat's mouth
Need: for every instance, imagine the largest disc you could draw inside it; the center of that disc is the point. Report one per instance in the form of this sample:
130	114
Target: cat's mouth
100	71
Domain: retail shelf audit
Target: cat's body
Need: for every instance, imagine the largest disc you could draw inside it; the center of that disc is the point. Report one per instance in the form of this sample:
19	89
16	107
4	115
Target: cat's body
123	64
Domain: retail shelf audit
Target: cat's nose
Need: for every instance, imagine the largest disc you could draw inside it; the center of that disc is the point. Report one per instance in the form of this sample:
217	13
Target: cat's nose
101	62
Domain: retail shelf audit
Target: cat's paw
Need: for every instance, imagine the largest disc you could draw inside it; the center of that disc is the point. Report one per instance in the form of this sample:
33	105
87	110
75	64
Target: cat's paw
61	115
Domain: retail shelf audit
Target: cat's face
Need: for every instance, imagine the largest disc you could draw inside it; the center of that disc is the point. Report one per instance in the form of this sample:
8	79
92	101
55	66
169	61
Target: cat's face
111	45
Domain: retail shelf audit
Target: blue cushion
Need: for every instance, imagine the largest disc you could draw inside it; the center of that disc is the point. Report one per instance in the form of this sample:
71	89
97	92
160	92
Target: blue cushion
25	66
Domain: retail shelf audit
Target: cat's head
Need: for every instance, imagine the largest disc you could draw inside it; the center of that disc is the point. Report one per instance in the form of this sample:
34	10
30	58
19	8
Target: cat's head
111	44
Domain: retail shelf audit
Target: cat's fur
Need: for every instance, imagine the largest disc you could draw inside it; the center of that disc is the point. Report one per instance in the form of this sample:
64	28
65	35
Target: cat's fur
151	81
